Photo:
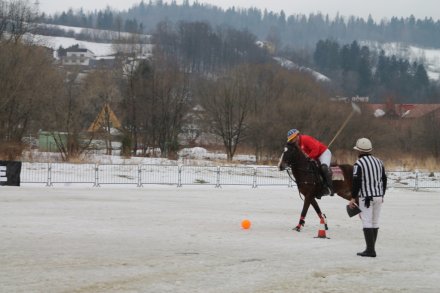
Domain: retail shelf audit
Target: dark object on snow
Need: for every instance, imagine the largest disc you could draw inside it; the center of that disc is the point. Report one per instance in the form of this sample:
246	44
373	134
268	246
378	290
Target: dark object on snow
10	173
353	211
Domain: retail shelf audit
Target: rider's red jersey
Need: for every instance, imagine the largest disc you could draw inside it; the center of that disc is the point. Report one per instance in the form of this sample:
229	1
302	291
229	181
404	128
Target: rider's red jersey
311	146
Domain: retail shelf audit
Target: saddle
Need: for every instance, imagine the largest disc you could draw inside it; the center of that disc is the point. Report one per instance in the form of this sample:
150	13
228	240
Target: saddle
337	173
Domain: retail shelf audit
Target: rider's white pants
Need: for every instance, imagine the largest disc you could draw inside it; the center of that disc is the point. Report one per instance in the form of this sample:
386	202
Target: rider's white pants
326	157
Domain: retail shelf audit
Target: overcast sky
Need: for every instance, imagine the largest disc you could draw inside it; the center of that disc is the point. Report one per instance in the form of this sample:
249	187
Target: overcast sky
377	8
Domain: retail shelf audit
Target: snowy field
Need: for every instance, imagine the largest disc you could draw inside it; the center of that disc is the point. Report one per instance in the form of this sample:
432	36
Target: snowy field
169	239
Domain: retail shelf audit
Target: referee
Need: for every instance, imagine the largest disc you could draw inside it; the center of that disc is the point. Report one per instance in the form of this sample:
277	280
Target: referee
369	185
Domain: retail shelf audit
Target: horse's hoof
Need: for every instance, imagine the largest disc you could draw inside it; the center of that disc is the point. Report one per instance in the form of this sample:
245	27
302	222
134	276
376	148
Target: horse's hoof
298	229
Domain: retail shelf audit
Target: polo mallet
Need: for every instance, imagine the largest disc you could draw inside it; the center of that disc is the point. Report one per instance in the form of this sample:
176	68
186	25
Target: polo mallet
356	109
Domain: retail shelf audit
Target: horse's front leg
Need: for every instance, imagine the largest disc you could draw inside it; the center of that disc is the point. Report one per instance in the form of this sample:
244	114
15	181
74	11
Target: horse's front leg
302	221
318	211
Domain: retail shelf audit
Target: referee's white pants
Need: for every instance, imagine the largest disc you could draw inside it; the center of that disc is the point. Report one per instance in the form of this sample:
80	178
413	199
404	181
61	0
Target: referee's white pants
370	216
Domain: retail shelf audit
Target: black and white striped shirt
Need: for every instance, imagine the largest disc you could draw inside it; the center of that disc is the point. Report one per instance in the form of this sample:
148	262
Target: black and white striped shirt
369	178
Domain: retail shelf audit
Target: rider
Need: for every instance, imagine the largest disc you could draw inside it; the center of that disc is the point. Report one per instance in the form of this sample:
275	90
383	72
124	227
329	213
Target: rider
315	150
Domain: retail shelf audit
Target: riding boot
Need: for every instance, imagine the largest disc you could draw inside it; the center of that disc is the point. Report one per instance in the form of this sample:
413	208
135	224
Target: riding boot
327	173
369	240
376	231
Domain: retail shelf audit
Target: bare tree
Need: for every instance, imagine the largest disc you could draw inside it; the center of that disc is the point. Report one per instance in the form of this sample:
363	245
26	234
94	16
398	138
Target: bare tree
68	118
227	102
26	81
131	55
155	99
271	83
16	19
102	93
171	95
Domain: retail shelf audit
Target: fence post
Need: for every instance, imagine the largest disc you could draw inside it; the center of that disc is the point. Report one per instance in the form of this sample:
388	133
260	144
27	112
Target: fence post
139	176
417	181
49	174
217	184
254	183
96	176
179	177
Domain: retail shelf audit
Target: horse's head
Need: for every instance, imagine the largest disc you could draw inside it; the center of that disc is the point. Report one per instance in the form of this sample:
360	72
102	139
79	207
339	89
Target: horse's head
288	156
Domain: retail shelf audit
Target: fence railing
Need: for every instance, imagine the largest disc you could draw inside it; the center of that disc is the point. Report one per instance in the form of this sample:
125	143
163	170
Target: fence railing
51	174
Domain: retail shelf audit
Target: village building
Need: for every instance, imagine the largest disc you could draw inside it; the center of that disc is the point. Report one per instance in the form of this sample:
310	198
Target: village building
77	56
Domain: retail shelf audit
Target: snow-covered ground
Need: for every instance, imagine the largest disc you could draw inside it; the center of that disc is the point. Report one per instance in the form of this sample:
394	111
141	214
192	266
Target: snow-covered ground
168	239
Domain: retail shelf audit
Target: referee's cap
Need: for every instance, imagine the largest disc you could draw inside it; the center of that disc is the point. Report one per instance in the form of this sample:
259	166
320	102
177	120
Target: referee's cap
363	145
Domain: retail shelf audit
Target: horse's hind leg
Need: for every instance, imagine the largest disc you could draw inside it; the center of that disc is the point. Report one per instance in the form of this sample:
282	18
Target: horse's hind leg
318	211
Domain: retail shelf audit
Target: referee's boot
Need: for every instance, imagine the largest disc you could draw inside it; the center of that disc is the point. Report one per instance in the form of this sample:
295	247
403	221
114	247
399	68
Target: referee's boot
369	235
327	173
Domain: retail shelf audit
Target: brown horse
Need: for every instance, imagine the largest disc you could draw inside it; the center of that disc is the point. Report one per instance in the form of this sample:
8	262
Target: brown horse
308	178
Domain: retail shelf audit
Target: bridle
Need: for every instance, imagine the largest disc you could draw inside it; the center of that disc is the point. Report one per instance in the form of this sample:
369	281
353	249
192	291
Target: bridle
289	169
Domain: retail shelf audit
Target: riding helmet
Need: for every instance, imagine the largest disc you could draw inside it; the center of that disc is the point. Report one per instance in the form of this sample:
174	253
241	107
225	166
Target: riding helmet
291	134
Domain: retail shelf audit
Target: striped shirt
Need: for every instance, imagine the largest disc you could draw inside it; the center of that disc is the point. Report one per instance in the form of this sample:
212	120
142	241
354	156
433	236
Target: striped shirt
369	178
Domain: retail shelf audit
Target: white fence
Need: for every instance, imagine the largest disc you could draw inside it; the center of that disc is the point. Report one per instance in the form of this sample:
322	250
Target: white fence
51	174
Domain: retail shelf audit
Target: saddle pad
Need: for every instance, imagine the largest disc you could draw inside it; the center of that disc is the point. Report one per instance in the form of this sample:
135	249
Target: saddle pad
337	173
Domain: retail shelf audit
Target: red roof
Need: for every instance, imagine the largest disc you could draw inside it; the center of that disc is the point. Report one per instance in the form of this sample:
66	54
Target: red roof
405	110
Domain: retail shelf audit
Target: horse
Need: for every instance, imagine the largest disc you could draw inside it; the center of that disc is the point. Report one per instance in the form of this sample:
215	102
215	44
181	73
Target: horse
310	183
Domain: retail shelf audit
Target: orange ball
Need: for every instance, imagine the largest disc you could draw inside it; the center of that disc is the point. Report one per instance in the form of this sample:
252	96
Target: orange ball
246	224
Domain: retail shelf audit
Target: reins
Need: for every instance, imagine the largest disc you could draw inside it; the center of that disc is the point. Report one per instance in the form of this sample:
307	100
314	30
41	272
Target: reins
293	179
305	170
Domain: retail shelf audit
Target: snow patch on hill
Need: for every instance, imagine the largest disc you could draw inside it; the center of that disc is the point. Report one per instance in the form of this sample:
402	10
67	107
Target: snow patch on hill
99	49
293	66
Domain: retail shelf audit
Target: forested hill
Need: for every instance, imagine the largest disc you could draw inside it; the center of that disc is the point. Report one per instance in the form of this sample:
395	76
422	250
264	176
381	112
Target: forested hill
295	31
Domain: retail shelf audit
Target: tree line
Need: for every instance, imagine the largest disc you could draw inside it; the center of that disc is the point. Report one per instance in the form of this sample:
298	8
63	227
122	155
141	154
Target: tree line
202	49
296	31
356	70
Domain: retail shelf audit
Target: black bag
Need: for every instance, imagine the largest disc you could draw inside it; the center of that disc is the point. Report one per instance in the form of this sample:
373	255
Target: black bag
353	211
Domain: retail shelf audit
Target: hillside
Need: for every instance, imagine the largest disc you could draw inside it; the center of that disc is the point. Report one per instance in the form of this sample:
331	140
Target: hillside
299	31
428	56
